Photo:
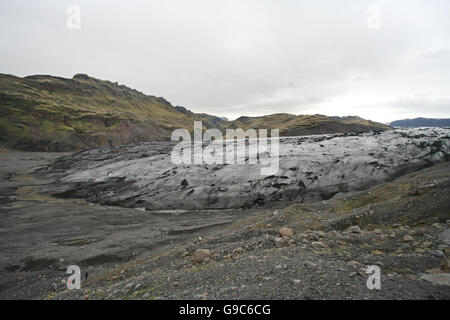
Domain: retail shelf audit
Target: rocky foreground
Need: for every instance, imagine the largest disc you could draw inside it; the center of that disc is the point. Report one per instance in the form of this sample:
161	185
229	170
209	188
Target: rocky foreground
313	240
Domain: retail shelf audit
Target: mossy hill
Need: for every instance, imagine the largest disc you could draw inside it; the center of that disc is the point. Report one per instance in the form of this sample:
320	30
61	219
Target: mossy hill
47	113
292	125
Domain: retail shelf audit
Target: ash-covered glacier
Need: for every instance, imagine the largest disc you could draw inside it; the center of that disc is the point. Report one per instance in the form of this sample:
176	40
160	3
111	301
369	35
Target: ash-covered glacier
312	168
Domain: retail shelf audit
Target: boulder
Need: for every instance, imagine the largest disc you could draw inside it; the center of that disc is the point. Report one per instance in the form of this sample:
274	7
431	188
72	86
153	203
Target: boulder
286	232
201	255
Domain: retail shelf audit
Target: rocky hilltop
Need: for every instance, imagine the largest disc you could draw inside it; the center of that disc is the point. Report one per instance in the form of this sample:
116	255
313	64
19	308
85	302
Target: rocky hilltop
301	125
421	122
47	113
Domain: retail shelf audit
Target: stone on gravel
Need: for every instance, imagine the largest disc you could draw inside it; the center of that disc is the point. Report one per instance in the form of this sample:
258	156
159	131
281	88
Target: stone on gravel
286	232
238	250
309	264
281	242
201	255
437	253
354	229
319	244
427	244
408	238
354	264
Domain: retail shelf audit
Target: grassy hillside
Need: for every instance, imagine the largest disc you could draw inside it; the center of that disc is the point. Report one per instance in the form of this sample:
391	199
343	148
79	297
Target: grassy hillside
52	113
49	113
292	125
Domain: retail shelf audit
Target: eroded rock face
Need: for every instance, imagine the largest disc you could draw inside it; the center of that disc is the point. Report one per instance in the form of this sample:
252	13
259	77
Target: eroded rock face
312	168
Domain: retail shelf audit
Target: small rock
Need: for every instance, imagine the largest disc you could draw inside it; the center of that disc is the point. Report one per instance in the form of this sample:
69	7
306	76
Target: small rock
427	244
408	238
309	264
303	235
129	285
354	229
378	231
437	253
281	242
286	232
354	264
313	236
278	267
410	276
238	250
319	244
201	255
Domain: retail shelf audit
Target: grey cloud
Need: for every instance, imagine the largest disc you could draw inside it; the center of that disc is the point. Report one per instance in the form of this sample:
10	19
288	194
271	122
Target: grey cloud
231	58
437	106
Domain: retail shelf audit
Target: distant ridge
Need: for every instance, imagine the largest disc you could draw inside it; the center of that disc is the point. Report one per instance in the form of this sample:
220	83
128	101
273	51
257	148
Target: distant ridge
48	113
421	122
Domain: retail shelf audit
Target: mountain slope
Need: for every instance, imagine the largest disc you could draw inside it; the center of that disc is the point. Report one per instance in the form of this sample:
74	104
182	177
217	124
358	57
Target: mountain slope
47	113
421	122
58	114
292	125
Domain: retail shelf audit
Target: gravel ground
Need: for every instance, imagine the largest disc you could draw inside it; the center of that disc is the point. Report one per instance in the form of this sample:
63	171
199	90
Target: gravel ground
275	250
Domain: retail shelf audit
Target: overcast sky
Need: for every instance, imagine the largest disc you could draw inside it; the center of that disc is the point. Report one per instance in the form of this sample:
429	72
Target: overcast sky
234	58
